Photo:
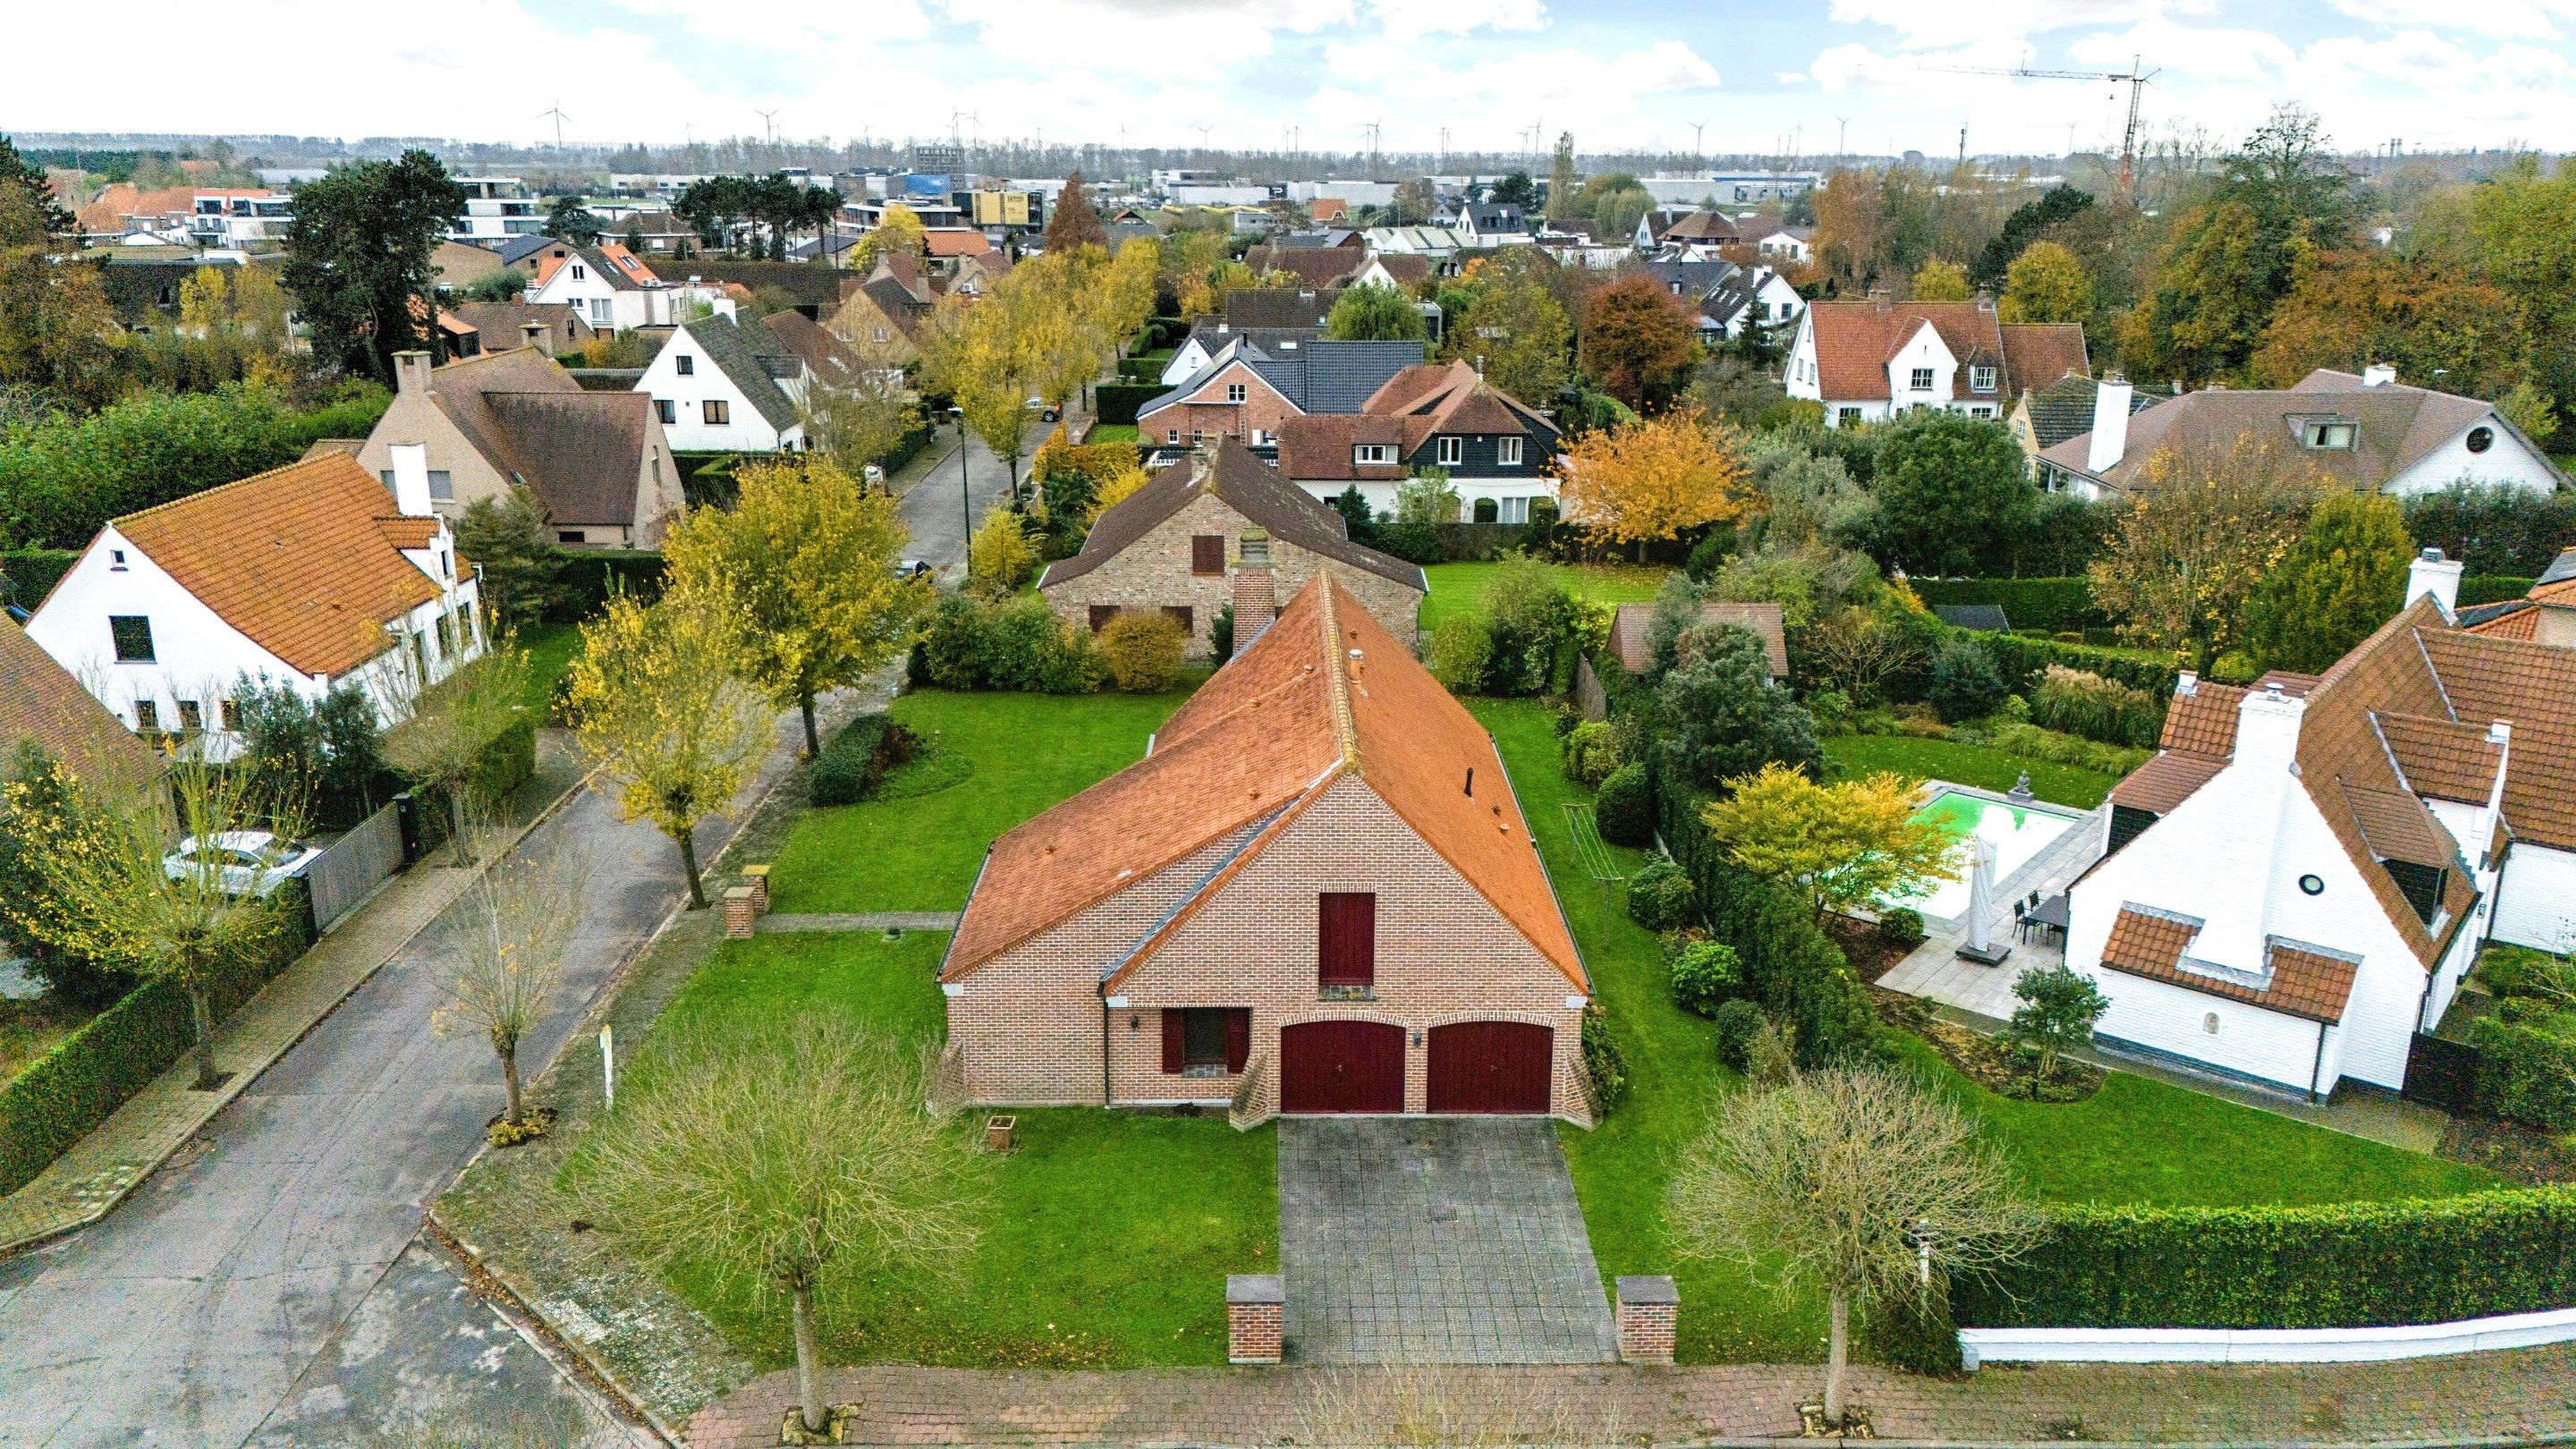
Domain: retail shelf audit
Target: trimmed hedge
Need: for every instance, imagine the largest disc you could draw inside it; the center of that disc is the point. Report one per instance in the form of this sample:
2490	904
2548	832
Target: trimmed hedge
2052	604
2492	588
2022	660
1116	402
31	573
2340	1266
63	1094
508	760
587	574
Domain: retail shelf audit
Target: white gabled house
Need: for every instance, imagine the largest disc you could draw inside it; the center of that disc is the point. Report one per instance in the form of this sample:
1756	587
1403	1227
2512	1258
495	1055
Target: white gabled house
1869	361
314	575
2300	877
611	289
721	387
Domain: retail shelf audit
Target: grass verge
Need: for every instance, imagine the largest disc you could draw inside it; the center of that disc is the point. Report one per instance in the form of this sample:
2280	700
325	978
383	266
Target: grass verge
1459	588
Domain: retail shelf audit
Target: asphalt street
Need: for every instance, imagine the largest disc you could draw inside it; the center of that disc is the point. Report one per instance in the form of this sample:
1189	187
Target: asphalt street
266	1287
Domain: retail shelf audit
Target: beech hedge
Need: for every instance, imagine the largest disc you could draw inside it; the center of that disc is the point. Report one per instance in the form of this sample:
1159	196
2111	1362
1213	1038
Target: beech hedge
2344	1265
2044	603
59	1097
1116	402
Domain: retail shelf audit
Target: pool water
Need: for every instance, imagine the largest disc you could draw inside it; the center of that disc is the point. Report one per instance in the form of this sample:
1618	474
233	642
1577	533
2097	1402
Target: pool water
2019	832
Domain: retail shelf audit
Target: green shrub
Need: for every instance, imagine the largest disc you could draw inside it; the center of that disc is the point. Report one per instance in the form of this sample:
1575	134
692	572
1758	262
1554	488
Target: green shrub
508	759
1116	402
1590	753
1142	650
1737	1021
858	757
2063	749
1965	682
2022	660
1660	897
28	574
1705	974
1913	1332
2526	1067
2080	702
2522	971
586	577
1601	1059
2337	1266
1016	644
1461	648
2046	604
1901	927
1624	811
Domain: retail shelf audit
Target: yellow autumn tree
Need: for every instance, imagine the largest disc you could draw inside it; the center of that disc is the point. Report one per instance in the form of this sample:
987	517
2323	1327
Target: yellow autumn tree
1845	846
899	230
1650	478
1941	281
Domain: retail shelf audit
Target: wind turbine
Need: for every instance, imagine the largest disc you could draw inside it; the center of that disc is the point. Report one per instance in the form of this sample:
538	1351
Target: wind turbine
768	122
1698	128
560	118
1375	129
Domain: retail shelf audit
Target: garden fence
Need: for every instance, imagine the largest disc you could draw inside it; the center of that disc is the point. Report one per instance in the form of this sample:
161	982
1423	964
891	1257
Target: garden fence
353	865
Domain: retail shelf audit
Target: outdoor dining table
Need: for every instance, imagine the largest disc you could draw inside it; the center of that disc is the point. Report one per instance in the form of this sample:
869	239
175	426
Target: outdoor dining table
2048	915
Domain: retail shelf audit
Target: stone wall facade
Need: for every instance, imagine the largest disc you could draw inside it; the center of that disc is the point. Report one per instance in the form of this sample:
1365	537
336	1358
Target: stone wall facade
1032	1025
1154	572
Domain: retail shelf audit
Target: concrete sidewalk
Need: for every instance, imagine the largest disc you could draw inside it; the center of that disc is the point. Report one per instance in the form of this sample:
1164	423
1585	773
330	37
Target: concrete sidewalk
87	1182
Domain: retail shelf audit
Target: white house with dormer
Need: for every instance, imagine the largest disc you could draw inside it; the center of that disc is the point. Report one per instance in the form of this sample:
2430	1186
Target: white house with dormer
316	576
613	290
2298	880
721	387
1870	361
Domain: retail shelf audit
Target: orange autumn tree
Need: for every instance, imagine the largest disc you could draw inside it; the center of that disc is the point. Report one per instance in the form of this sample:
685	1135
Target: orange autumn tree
1651	478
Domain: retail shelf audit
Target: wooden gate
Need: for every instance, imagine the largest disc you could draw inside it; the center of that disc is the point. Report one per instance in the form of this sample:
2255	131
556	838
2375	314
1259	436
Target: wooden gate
1490	1066
1341	1066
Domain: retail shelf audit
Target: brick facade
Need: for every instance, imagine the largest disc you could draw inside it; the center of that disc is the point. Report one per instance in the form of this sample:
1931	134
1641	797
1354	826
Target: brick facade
1207	412
1154	572
1030	1021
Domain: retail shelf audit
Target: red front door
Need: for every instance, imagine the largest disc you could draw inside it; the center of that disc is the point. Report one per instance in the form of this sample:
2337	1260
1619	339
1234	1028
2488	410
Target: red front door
1490	1066
1341	1066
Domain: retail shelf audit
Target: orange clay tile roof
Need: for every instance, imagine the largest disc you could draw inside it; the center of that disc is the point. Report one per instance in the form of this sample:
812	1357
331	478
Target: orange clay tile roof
2303	982
2167	780
952	242
40	701
305	559
1630	622
2517	620
2442	759
1267	735
2203	722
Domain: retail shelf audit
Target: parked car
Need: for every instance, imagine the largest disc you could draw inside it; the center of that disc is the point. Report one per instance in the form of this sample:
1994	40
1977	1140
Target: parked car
912	568
250	862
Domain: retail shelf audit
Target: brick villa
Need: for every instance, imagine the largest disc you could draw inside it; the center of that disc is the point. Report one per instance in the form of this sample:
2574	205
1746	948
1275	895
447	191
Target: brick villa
1317	886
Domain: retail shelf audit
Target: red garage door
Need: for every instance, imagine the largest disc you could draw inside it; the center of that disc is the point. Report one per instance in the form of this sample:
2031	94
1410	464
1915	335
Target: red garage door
1341	1066
1491	1066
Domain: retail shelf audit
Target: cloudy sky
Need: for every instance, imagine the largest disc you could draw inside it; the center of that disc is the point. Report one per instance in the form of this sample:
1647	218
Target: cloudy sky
1620	74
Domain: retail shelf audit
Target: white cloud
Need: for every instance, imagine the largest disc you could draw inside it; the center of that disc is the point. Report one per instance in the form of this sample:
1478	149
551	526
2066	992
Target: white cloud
1413	19
2528	19
1939	24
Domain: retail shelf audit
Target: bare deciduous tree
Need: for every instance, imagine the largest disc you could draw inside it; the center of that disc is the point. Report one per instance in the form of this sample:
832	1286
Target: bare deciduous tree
503	962
1858	650
441	743
1842	1181
779	1156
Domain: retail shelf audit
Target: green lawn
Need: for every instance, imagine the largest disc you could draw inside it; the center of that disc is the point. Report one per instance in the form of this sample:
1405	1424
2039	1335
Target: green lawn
1978	765
1104	1242
1459	588
1024	752
2138	1140
1112	433
551	648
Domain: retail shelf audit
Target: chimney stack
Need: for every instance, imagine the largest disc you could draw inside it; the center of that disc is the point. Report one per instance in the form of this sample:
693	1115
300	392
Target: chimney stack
537	335
411	479
2110	425
411	372
2433	574
1256	594
2378	374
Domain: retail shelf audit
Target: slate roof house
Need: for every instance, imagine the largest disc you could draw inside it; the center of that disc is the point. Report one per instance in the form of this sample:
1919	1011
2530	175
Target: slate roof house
2367	431
1180	544
2046	416
1249	308
1499	452
1317	885
1245	392
598	461
2300	877
1867	361
716	387
313	575
1210	335
1727	298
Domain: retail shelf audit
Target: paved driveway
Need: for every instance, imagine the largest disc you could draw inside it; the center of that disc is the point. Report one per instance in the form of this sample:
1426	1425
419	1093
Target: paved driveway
1435	1240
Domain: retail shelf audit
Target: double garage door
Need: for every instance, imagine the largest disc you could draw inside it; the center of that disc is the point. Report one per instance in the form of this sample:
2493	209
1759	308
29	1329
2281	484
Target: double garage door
1358	1066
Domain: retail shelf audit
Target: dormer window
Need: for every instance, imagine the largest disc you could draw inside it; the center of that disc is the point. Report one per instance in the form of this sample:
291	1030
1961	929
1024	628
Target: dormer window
2329	434
1365	455
1922	379
1981	378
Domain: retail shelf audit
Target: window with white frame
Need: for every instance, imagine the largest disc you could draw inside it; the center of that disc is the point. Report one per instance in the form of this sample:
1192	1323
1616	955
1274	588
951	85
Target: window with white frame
1236	392
1513	510
1981	378
1507	452
1453	451
2332	434
1922	379
1364	455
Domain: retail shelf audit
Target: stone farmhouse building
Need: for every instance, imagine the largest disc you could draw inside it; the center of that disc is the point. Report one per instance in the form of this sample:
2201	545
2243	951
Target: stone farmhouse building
1177	543
1317	887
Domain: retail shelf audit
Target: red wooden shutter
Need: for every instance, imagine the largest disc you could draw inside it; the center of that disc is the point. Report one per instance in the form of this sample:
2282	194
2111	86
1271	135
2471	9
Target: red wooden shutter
1238	1038
1346	932
1207	553
1176	1042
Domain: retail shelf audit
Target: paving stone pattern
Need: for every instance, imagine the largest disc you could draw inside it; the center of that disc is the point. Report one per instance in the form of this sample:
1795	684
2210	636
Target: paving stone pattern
1435	1240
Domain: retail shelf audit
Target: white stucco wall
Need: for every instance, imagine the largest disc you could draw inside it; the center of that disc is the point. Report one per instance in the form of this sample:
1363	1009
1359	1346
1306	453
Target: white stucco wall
743	431
2507	463
2536	901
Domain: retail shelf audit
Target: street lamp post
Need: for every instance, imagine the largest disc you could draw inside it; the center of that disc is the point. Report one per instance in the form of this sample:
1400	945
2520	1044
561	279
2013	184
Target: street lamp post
965	500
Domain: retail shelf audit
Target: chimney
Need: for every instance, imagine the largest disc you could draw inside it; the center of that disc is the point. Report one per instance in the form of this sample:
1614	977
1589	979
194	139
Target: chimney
1985	299
1256	594
537	335
2186	684
2236	865
1879	298
411	372
2433	574
411	479
2110	425
2378	374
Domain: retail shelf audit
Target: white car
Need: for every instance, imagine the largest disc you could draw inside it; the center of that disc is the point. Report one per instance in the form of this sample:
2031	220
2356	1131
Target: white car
250	862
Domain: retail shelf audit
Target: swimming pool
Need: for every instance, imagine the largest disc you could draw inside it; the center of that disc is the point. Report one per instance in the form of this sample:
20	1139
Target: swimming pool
2019	832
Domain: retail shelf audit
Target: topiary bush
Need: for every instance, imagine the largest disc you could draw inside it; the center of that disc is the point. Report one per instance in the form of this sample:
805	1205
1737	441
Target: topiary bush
1590	753
1624	811
1737	1021
1660	897
1901	927
1142	649
858	757
1706	974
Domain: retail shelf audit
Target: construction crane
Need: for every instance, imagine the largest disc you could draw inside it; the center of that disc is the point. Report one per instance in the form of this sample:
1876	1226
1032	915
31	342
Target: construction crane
2135	78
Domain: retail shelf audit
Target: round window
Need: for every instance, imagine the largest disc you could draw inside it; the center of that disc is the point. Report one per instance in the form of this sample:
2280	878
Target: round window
2314	885
2481	438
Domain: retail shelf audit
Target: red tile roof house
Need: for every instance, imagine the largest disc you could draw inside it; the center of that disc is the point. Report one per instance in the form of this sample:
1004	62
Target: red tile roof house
2301	876
1317	886
1868	361
1178	544
1499	452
